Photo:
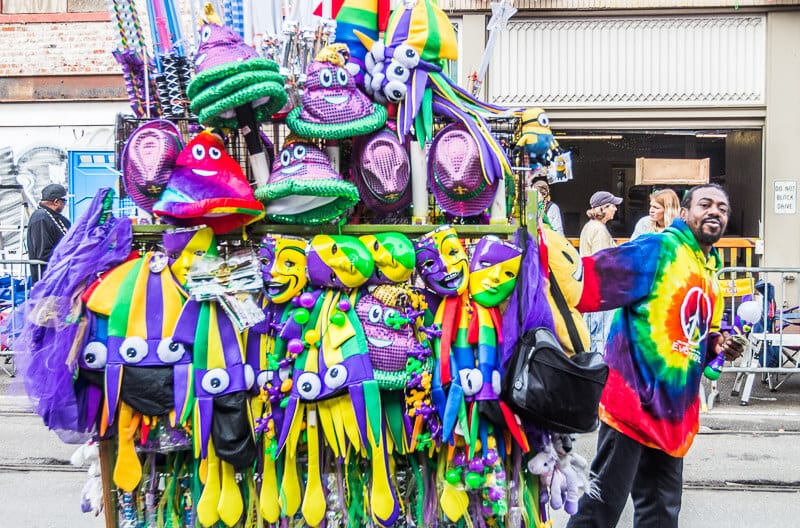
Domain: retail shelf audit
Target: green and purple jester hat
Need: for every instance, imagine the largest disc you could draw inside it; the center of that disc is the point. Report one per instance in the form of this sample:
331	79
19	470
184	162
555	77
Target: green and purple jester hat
407	69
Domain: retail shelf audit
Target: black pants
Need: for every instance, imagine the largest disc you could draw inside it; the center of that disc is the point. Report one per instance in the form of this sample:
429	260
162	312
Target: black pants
624	466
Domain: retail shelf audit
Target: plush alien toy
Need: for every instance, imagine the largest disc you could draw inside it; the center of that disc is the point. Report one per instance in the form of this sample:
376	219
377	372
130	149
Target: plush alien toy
333	388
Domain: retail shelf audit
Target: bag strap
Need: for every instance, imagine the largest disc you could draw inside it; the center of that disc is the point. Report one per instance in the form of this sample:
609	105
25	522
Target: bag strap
561	304
523	245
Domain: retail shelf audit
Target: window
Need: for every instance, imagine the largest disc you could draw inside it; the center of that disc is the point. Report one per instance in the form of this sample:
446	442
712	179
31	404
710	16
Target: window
51	6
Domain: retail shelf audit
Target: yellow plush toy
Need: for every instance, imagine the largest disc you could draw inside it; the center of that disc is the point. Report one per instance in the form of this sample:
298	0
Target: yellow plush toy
566	277
537	138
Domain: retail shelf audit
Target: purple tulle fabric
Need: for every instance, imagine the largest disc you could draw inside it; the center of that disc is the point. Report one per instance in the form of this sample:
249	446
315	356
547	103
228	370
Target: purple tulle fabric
531	287
53	311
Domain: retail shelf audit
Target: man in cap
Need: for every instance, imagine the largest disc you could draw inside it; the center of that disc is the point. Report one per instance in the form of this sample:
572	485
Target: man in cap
46	227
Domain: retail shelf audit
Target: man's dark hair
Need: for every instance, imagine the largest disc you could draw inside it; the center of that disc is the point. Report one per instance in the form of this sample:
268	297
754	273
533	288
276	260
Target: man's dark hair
686	202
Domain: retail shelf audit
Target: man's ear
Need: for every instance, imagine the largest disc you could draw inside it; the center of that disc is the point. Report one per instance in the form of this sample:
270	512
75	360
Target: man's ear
684	213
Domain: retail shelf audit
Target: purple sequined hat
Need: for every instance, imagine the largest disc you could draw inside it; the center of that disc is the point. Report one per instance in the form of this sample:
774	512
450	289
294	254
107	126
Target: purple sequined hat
148	160
333	107
455	175
303	187
381	170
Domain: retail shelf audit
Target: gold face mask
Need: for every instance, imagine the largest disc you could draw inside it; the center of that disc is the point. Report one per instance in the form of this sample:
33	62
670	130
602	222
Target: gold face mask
283	266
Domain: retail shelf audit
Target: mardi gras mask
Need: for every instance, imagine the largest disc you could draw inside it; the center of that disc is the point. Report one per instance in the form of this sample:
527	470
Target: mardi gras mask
283	266
338	261
442	261
394	257
184	245
493	270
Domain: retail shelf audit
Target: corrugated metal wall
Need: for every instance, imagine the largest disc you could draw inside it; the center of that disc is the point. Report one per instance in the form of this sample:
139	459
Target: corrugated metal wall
634	61
485	5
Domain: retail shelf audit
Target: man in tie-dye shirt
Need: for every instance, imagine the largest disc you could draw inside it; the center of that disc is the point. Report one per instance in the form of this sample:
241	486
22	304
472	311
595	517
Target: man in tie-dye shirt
658	345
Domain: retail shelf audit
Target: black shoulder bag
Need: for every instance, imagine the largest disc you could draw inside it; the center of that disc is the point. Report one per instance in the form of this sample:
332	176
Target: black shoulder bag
544	386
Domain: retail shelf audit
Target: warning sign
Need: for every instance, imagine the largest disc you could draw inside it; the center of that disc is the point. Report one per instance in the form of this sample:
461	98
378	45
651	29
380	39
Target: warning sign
785	197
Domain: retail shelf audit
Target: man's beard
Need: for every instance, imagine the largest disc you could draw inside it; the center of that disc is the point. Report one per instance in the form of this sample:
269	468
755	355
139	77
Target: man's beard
708	238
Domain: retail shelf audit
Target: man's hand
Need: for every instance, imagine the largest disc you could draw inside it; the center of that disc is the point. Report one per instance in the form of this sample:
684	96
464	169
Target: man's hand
732	346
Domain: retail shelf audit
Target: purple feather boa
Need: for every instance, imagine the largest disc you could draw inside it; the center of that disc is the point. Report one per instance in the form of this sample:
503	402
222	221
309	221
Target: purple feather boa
530	295
96	243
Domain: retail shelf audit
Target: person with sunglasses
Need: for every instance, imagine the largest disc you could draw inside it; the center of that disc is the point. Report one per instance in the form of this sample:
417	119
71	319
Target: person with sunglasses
46	227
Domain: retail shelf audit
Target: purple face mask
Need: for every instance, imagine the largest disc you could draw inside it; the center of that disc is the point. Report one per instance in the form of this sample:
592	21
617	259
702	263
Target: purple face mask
442	262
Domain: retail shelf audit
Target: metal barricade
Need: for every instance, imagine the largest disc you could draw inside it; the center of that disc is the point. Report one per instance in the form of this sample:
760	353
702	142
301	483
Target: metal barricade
762	304
15	285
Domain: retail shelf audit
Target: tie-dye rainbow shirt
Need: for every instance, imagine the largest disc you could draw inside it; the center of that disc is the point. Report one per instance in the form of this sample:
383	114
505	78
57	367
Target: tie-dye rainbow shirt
670	312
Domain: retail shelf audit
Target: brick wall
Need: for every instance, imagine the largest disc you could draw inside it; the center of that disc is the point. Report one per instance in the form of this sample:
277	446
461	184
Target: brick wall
63	48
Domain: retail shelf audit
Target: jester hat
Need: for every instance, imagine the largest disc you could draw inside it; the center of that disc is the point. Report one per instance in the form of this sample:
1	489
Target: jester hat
334	392
208	187
147	161
144	367
407	69
303	187
221	382
332	106
230	75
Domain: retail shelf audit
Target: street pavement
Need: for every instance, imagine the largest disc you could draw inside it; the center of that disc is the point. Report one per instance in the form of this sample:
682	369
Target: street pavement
743	470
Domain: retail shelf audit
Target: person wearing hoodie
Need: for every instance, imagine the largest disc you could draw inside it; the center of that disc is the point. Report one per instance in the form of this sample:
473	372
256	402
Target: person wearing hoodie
666	330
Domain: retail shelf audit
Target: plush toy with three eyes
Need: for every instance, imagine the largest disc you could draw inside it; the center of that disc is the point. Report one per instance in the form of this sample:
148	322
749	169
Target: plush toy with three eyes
333	387
147	372
407	69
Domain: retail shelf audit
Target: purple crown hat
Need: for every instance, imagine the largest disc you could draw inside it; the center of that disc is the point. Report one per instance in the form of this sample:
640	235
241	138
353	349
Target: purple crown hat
382	172
455	175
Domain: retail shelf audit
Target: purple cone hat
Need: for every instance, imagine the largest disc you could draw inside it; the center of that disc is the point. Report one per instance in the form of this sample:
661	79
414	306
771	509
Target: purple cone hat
148	159
303	187
382	172
455	175
333	107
